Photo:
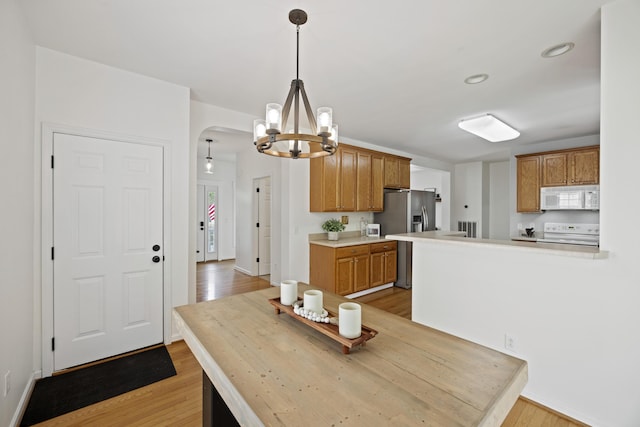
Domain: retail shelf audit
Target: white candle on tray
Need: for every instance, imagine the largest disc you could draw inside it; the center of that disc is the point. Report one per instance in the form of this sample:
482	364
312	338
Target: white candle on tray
313	301
288	292
350	320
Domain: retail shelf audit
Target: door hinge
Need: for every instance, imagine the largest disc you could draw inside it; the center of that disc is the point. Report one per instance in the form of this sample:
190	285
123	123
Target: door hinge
257	259
258	224
52	253
258	190
52	162
53	344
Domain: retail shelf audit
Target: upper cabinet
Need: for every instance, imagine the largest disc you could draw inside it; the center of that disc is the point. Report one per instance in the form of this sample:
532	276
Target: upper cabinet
397	172
333	182
578	166
528	184
575	167
353	180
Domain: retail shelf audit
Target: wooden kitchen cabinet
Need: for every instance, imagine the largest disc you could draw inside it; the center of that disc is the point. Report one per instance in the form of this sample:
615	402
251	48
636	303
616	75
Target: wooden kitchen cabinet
528	183
333	182
397	172
571	167
355	268
352	180
370	185
384	263
576	166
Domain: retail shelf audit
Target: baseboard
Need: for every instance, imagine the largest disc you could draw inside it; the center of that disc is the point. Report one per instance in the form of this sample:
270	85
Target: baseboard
241	270
24	399
369	291
560	410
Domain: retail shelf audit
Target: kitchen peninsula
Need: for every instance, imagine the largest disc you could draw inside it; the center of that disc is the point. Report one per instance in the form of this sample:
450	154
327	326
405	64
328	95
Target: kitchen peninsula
270	369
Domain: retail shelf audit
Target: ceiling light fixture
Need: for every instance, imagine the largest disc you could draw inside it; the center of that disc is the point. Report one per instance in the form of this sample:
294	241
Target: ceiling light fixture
489	128
476	78
267	134
557	50
209	164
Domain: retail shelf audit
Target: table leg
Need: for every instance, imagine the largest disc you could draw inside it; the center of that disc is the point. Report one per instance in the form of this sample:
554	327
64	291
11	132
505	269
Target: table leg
214	411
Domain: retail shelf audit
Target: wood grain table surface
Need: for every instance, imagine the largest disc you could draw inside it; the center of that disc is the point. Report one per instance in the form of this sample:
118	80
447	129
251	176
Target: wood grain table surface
273	370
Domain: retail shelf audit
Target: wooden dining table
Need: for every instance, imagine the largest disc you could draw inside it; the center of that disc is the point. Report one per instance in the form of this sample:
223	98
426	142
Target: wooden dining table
264	368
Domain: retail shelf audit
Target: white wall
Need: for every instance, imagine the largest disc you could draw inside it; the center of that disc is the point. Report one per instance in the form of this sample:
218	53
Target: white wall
84	94
576	321
499	213
224	175
17	219
467	191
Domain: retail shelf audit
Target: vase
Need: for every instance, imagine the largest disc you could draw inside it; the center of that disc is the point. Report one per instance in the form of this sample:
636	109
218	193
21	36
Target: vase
333	235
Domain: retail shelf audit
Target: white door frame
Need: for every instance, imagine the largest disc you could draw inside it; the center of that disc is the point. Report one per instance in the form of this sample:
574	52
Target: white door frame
48	130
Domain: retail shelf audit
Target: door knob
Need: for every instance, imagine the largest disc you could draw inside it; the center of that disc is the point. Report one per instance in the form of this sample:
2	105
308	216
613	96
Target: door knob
155	259
156	248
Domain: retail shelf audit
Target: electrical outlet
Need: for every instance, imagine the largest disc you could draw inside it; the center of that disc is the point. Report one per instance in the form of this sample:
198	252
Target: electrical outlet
520	227
509	342
7	383
345	219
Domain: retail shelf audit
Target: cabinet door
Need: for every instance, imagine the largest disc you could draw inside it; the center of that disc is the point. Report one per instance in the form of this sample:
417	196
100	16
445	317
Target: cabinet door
347	180
344	276
391	172
584	168
377	183
364	182
323	185
361	273
554	169
404	173
390	266
377	269
528	184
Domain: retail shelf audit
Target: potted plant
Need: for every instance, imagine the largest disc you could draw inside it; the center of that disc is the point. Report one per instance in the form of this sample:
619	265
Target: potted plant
333	227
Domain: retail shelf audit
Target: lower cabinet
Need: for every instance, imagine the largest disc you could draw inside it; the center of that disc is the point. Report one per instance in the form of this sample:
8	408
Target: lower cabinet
355	268
384	263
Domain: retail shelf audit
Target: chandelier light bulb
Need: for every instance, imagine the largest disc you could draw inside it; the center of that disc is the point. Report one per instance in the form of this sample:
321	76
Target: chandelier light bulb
274	117
324	120
259	129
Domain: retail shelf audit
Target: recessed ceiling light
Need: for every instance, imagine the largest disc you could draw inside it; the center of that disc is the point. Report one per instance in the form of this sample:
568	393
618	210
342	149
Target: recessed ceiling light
476	78
557	50
489	128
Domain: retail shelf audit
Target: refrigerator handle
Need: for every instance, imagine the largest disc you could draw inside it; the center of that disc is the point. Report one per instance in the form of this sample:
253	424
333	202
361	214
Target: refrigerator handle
425	219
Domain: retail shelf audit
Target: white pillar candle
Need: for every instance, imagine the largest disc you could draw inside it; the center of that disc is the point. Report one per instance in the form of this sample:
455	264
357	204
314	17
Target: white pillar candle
288	292
350	320
313	301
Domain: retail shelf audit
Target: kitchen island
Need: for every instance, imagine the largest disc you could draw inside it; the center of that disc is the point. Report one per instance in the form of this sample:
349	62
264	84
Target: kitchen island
270	369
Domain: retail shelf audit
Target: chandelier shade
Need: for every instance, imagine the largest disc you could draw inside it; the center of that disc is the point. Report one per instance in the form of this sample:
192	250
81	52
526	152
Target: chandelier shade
269	136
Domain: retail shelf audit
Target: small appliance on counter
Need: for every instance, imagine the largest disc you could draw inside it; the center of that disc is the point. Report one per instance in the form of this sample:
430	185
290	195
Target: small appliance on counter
571	234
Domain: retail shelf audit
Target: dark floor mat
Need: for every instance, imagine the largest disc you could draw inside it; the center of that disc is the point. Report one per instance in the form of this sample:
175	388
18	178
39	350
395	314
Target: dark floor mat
57	395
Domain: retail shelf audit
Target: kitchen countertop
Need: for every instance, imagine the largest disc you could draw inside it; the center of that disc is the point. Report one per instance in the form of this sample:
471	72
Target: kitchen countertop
271	369
354	238
532	246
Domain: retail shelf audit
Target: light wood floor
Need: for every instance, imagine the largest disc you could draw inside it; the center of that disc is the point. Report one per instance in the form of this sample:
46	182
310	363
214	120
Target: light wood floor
177	401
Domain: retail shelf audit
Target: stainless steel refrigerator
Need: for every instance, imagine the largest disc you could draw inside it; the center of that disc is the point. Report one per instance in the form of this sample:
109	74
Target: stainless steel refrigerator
406	212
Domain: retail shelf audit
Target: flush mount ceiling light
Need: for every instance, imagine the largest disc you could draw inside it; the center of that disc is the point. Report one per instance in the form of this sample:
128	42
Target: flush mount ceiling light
489	128
267	134
476	78
209	164
557	50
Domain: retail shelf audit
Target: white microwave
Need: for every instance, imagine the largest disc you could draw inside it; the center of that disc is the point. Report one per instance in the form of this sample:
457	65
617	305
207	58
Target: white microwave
575	197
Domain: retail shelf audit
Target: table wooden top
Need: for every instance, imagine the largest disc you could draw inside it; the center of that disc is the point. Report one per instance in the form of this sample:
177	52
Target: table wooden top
273	370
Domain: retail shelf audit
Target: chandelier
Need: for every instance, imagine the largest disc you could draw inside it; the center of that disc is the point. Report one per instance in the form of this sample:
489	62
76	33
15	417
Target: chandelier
268	135
209	164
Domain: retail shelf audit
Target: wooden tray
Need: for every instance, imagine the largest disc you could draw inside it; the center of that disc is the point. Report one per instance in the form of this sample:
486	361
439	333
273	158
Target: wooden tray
328	329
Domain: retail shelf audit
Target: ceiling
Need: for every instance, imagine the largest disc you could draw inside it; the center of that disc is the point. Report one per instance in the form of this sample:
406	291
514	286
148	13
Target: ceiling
392	71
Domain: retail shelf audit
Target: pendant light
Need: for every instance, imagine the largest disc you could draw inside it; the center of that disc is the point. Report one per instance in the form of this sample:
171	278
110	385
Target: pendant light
268	135
209	164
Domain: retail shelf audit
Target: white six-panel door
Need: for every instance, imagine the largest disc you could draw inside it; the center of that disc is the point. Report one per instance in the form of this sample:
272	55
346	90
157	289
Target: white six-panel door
108	223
